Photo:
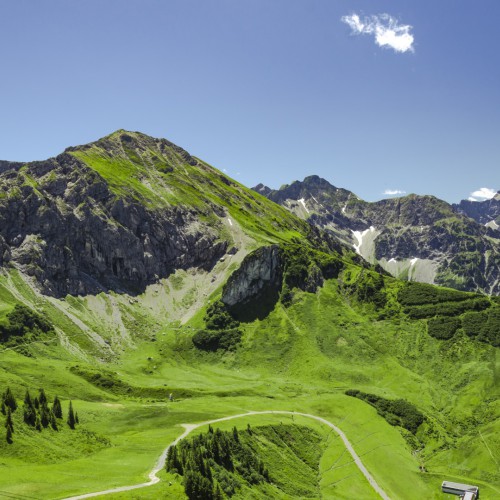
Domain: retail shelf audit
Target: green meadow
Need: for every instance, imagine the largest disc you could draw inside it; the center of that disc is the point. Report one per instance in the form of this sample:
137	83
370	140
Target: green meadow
130	368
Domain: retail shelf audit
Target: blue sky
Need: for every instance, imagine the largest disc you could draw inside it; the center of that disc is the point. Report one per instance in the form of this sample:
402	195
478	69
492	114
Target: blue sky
268	90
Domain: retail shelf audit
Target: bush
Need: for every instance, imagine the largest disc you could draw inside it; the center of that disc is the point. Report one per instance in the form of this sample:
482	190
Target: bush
414	293
483	326
226	340
23	322
443	328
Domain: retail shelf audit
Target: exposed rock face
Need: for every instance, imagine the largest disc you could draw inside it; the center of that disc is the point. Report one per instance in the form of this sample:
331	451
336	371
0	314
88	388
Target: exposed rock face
483	212
60	223
408	234
259	274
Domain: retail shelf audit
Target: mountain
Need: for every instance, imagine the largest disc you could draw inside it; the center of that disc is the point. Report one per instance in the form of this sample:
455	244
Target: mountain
123	212
414	237
143	293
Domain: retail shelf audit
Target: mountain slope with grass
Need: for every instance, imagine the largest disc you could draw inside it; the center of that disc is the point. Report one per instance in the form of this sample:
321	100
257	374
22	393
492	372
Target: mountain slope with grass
418	238
266	313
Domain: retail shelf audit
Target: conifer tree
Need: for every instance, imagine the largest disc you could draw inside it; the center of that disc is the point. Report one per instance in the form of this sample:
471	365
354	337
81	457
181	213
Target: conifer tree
9	399
71	416
56	408
3	408
53	421
38	424
29	412
77	420
8	422
36	403
44	416
218	495
8	435
42	398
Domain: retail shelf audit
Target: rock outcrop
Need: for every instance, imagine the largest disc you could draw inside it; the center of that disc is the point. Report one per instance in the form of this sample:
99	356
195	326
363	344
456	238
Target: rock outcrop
255	286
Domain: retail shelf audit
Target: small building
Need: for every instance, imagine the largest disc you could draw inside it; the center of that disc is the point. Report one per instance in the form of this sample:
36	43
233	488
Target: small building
464	491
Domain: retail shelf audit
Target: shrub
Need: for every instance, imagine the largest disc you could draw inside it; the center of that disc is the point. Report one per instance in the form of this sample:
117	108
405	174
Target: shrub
443	328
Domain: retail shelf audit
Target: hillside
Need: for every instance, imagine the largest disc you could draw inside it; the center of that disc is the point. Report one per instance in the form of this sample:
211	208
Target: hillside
151	291
418	238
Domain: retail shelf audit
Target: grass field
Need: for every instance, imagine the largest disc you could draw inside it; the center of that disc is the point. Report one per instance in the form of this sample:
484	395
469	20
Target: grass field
300	358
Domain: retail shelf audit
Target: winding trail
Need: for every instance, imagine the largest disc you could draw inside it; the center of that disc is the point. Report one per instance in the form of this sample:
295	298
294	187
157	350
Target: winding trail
153	478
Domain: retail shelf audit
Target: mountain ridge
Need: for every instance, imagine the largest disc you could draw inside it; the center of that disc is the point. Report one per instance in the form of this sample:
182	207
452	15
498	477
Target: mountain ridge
416	237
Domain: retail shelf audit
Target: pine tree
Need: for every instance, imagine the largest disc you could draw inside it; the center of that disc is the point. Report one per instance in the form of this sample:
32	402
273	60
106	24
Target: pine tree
3	408
56	408
218	495
29	412
9	399
53	421
71	416
36	403
8	435
8	422
38	424
77	420
44	416
235	434
42	398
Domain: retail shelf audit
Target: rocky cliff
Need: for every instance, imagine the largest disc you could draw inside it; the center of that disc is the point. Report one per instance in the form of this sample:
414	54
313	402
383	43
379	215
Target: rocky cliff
61	223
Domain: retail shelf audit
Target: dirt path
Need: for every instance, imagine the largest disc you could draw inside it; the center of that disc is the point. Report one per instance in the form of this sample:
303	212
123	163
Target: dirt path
153	478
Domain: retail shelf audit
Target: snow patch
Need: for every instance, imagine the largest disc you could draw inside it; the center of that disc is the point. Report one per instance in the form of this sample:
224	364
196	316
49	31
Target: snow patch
413	261
343	208
303	204
359	237
230	221
492	224
392	260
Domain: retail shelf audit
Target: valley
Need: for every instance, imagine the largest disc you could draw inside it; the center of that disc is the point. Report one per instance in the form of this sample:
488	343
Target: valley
178	296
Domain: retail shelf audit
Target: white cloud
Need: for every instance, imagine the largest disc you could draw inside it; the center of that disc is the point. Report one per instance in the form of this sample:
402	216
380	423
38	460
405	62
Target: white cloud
392	192
483	193
385	28
470	198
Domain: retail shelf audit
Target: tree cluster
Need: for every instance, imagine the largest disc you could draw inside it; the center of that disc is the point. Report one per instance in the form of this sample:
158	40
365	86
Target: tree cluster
214	464
37	412
23	324
222	330
396	412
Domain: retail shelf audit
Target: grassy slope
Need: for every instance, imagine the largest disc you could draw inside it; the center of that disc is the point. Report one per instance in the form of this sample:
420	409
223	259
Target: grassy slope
141	171
301	358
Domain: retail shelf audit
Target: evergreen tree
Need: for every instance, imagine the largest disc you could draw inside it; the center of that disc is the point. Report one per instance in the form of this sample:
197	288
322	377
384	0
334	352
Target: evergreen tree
53	421
3	408
42	398
235	434
8	435
38	424
218	495
8	422
36	403
44	416
71	416
9	399
29	412
27	398
56	408
77	420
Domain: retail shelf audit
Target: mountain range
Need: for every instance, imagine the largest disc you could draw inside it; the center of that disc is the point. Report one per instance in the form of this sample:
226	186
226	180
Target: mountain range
418	238
146	294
